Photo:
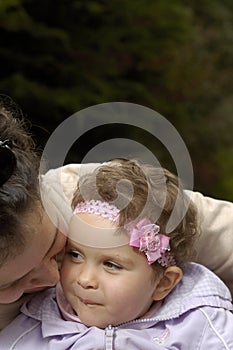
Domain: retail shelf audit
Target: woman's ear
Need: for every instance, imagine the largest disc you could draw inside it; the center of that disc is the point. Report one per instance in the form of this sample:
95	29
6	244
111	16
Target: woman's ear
171	277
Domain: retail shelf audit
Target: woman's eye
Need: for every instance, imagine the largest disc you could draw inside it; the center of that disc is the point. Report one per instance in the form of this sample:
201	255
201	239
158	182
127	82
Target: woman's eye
111	265
6	286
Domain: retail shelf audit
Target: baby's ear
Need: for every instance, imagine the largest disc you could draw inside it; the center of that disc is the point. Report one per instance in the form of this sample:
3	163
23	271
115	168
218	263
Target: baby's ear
171	277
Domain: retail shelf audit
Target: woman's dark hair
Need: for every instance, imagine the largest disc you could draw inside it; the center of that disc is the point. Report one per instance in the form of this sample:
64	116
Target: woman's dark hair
20	193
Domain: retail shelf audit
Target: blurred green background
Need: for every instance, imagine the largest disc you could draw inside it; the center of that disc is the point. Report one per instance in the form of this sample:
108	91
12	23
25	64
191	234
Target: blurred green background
58	57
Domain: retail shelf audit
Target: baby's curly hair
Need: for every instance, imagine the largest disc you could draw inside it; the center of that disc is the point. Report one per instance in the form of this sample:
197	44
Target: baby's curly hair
141	190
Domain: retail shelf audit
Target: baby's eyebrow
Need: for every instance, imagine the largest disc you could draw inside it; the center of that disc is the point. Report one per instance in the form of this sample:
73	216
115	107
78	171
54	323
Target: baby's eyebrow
71	245
119	258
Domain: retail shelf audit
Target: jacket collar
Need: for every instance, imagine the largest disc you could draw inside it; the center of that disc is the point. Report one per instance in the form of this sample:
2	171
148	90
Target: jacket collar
198	287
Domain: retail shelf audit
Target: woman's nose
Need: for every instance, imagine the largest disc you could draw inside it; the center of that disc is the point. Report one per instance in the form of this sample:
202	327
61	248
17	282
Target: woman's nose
45	275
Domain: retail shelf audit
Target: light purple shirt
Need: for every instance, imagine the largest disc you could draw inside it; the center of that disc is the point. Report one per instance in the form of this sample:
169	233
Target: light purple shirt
196	315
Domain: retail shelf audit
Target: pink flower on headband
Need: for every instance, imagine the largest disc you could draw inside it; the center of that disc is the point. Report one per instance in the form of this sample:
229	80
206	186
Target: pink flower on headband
146	237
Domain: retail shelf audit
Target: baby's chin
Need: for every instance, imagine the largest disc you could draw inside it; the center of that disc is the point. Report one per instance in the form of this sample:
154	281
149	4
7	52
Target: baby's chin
91	323
103	324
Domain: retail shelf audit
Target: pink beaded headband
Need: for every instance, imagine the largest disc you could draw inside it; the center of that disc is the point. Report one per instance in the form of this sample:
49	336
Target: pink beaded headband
144	235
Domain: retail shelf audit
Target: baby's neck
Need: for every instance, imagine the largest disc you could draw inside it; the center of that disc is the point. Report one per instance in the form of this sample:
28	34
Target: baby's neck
152	310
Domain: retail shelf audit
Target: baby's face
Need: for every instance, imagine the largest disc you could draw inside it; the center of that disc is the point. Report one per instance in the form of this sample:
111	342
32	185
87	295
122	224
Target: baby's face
106	286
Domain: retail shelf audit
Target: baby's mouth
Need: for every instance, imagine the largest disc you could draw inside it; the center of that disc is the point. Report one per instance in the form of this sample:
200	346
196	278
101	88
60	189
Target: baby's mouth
88	301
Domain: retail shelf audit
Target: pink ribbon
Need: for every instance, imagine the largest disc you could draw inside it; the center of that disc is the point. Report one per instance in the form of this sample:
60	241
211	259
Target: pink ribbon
146	237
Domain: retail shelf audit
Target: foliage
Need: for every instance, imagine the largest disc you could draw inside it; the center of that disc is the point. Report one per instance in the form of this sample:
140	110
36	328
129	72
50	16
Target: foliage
172	56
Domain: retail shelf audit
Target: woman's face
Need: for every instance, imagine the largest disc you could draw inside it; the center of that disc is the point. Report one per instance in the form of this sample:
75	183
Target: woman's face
34	268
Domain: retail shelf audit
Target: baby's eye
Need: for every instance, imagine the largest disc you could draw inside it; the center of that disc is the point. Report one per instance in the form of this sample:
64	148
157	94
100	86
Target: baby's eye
112	266
75	255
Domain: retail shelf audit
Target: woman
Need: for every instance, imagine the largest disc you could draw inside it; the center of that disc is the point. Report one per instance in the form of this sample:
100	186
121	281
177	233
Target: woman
30	239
